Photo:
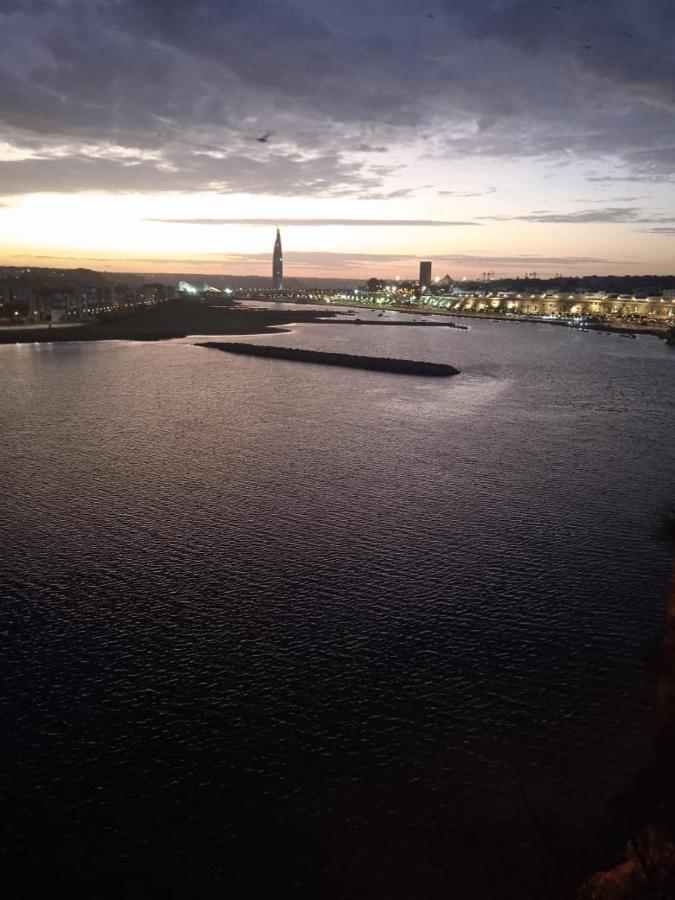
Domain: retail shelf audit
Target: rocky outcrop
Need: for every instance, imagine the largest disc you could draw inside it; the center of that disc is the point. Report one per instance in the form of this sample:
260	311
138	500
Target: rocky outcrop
648	808
648	872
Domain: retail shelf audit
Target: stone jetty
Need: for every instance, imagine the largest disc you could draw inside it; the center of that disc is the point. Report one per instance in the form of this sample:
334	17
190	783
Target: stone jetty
372	363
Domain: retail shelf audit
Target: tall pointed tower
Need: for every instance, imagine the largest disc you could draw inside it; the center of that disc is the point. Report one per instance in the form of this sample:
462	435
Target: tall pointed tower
278	265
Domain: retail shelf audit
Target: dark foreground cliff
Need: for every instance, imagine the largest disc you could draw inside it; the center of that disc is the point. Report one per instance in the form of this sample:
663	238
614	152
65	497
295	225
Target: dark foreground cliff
373	363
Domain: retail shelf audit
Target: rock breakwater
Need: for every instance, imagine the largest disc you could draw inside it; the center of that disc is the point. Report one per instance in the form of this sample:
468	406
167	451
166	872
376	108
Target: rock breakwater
373	363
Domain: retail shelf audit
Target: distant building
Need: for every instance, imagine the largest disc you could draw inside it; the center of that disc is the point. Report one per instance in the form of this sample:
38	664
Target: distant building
154	292
186	287
425	273
278	265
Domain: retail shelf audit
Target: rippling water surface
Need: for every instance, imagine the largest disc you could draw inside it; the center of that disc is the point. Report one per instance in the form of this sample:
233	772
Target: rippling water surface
280	629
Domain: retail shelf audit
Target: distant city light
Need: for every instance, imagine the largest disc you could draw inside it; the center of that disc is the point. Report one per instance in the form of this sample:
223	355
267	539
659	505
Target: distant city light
186	287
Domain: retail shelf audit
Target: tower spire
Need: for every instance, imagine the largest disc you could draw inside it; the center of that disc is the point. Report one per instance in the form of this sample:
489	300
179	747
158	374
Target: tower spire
278	265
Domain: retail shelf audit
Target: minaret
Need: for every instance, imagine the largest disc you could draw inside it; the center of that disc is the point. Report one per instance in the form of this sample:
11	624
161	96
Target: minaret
278	265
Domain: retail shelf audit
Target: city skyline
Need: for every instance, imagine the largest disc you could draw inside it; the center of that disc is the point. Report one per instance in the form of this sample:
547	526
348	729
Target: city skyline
508	137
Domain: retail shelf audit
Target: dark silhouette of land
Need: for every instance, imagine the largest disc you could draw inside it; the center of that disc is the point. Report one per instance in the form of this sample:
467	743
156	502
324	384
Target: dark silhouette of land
175	319
639	285
373	363
39	278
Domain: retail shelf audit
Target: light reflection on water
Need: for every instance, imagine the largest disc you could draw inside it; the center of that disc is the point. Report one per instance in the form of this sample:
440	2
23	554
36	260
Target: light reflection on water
281	621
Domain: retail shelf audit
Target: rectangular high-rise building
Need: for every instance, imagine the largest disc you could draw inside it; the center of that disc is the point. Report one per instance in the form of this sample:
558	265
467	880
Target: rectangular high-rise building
425	273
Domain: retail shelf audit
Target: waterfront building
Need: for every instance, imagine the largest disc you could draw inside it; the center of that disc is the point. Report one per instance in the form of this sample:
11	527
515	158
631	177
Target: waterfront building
277	265
191	289
425	273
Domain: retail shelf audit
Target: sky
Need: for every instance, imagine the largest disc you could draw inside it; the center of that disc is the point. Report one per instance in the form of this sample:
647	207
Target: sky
505	136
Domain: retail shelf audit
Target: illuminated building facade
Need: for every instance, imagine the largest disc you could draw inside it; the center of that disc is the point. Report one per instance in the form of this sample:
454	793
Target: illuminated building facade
187	287
278	265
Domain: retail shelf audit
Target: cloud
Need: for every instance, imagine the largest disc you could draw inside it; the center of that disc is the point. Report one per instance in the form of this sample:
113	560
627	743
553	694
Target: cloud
609	199
397	223
635	178
179	170
484	193
327	260
610	215
338	84
298	262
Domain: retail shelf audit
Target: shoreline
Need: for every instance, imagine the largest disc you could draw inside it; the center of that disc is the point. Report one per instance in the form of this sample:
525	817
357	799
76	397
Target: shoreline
606	327
181	319
167	321
660	331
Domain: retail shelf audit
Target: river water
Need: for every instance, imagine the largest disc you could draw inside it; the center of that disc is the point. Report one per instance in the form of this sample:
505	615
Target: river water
277	629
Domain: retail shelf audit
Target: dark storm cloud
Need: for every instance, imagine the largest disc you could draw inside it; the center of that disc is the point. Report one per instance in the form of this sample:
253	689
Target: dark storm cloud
285	174
398	223
336	83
